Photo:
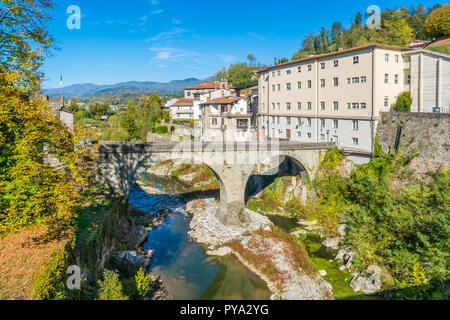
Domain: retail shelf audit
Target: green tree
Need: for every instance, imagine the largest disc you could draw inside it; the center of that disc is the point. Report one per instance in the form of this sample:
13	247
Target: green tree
438	22
110	287
404	102
129	125
251	59
143	284
24	39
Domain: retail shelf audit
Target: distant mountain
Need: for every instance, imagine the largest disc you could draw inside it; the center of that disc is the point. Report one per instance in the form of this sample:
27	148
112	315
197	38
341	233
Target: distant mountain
89	89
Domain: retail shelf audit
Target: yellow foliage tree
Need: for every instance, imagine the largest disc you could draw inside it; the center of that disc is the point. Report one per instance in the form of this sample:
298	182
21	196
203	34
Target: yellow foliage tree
438	22
32	190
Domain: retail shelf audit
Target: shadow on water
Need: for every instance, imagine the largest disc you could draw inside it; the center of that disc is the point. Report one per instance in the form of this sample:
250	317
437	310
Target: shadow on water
187	271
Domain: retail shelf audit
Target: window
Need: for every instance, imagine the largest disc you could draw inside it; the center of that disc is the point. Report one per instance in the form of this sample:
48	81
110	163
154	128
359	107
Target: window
309	106
363	105
309	84
322	137
336	63
288	106
309	135
273	74
408	79
273	106
299	121
273	87
299	105
396	79
336	105
386	78
278	105
349	105
386	57
288	121
335	124
214	121
278	120
322	83
279	87
408	59
355	141
336	82
322	123
355	105
355	80
273	119
322	105
349	80
322	65
299	69
309	67
279	73
299	84
299	134
288	86
396	58
363	79
189	94
386	101
309	122
355	125
355	60
288	72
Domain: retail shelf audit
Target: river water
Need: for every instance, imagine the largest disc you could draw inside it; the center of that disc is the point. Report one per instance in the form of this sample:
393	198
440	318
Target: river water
187	271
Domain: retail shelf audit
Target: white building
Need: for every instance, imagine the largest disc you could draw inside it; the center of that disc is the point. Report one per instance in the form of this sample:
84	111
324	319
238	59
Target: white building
339	96
225	118
427	77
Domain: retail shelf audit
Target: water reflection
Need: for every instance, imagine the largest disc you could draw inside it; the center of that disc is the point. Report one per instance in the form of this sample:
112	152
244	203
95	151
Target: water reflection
187	271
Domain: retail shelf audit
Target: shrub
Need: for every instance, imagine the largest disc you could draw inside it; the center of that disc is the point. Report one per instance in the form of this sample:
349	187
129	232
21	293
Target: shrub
161	130
51	285
172	129
404	102
110	287
143	284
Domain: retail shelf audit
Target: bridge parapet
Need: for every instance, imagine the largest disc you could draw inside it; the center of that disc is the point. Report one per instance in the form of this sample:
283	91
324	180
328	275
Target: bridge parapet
121	164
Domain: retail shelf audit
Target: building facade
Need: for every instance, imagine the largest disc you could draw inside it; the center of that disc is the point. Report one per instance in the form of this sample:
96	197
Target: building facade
225	118
427	77
331	97
182	109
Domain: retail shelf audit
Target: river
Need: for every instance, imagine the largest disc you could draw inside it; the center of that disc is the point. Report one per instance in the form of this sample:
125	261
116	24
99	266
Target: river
187	271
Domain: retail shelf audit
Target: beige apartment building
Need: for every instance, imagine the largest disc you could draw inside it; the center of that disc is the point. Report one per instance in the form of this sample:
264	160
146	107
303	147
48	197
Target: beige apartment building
332	97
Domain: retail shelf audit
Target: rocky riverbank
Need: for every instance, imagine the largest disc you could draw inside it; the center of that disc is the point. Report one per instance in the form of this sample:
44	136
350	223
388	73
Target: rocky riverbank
275	259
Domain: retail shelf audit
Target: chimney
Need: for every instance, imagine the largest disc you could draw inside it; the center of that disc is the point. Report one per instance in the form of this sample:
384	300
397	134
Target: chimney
340	49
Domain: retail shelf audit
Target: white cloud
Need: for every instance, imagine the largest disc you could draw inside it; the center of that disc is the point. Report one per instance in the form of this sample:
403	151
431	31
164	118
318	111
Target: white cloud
257	36
167	54
227	58
168	34
157	11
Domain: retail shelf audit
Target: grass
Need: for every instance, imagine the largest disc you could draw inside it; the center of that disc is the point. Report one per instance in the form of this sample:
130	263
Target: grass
22	258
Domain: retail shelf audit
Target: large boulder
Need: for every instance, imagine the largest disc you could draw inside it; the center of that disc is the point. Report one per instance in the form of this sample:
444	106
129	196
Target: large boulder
141	235
132	259
369	282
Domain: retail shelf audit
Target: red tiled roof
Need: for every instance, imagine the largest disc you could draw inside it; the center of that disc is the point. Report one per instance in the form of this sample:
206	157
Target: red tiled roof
225	100
207	86
184	102
335	53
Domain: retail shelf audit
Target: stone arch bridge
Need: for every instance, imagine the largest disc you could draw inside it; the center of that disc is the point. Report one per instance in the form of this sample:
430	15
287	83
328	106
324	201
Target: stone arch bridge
120	165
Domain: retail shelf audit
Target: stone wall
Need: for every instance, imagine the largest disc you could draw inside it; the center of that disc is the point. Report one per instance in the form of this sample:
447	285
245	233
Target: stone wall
426	133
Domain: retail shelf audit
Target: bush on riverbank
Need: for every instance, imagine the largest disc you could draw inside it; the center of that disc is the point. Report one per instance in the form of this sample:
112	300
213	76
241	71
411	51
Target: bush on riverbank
403	230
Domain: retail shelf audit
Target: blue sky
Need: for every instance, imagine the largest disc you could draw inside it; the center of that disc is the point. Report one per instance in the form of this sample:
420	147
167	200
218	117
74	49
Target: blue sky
164	40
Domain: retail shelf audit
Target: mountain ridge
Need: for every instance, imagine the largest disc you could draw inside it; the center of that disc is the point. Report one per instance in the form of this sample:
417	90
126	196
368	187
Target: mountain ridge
144	87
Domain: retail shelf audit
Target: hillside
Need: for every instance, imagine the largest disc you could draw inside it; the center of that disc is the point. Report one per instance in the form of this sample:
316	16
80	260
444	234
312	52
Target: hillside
133	87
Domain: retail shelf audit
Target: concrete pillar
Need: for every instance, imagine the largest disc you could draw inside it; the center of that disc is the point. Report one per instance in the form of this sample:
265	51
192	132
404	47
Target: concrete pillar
233	180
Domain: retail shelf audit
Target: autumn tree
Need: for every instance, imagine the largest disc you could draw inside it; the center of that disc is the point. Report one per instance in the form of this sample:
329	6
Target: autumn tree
44	168
24	40
438	22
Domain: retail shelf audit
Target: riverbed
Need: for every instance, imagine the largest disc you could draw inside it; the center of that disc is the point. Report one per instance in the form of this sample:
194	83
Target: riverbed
188	273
